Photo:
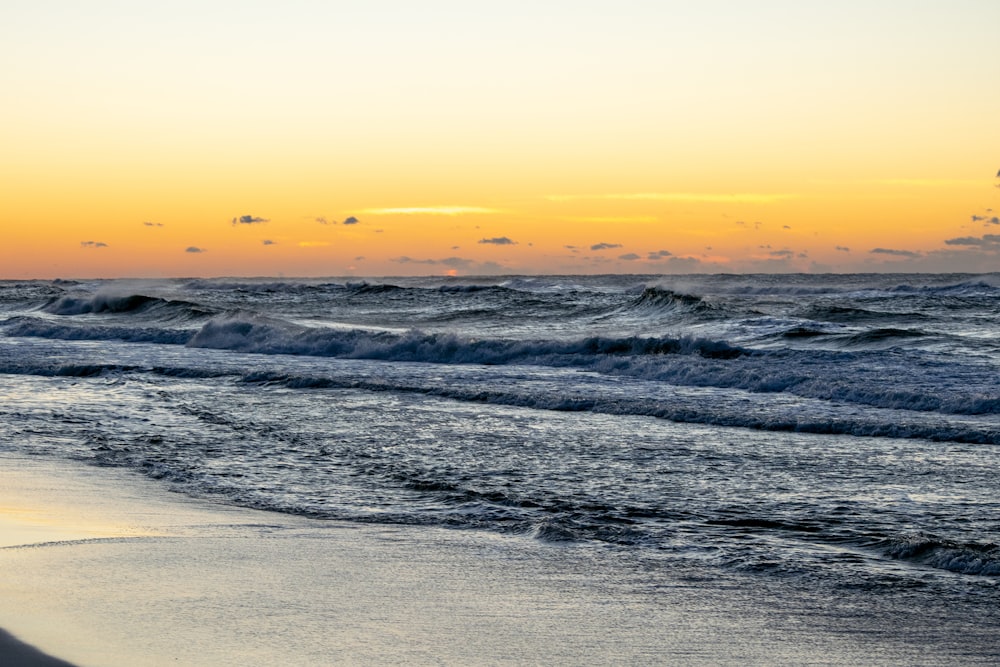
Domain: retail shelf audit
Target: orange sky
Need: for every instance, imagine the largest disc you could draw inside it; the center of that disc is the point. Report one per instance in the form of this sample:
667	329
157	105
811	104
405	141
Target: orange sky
638	137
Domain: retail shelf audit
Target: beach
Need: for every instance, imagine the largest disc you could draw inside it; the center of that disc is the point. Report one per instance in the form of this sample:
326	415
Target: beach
106	569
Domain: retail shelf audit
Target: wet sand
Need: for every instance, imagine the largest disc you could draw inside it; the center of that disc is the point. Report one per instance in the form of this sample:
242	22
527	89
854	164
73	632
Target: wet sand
104	569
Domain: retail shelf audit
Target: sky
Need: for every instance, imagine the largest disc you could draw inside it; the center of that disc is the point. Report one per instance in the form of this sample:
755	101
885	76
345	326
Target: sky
335	138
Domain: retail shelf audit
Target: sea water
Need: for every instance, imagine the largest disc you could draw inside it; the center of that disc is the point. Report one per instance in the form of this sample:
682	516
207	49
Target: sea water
825	439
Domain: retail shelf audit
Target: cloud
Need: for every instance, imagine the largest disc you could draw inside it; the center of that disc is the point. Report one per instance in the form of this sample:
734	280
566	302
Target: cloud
94	244
194	249
605	246
896	253
988	219
499	240
988	241
248	220
153	224
629	257
432	210
700	197
843	248
350	220
659	255
781	253
269	242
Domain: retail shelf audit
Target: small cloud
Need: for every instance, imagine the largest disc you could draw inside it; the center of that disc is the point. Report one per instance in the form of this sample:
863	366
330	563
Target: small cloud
323	221
895	253
605	246
351	220
194	249
843	248
359	258
781	253
94	244
786	226
659	255
991	241
499	240
248	220
153	224
629	257
269	242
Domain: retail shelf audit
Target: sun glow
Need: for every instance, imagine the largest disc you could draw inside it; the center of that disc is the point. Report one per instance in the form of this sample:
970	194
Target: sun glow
771	146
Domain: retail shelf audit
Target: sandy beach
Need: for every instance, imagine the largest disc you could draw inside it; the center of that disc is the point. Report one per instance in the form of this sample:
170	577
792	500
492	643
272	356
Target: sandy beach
103	568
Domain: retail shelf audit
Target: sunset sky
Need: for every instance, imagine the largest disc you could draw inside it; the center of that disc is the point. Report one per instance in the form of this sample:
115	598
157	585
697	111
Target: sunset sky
330	138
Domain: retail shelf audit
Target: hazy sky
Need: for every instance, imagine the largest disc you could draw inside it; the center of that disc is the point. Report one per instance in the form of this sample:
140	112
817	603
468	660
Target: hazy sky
388	137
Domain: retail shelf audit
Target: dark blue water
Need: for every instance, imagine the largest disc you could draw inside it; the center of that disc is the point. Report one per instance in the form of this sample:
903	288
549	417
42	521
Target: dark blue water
828	436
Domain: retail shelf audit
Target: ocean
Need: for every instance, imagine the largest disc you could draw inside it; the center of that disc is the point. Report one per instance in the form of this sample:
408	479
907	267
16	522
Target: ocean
822	441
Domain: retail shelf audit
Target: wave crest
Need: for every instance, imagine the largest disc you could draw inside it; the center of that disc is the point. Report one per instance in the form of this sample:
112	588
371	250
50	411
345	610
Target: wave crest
967	558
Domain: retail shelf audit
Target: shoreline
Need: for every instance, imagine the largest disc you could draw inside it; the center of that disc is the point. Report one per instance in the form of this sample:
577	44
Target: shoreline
111	569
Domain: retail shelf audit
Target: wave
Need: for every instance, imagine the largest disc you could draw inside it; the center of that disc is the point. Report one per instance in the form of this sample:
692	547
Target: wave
803	332
263	336
869	376
876	336
104	303
660	298
962	288
962	558
853	315
690	411
31	327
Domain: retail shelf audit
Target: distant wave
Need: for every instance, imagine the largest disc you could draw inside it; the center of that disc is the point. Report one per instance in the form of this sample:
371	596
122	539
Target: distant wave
866	376
963	288
659	298
263	336
106	303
